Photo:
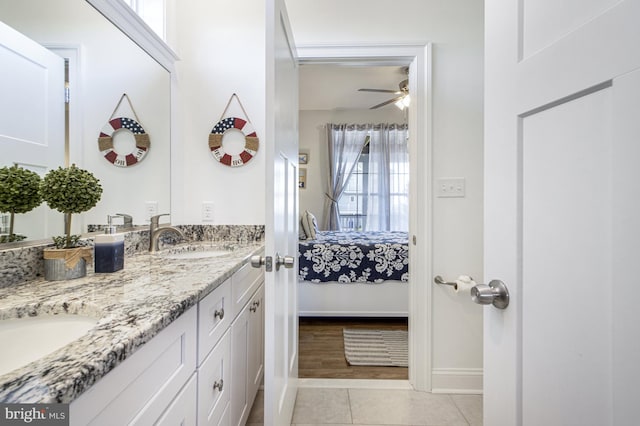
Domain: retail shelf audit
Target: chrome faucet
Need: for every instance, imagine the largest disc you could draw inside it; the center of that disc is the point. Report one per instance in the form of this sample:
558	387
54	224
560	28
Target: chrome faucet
127	220
156	231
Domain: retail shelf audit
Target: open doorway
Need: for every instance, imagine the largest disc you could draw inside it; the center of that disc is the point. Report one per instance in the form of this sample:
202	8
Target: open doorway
398	59
358	332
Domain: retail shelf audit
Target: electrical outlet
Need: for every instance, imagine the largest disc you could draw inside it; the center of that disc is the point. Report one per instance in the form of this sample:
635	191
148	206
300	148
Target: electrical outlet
450	187
151	208
207	211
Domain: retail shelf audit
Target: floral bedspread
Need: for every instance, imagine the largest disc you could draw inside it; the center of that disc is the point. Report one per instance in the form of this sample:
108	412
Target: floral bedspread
349	257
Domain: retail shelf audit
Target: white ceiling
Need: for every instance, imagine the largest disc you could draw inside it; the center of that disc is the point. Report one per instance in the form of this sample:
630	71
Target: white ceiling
330	87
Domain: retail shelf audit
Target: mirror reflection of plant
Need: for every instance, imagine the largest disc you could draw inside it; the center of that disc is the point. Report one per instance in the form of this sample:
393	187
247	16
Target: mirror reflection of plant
19	193
70	190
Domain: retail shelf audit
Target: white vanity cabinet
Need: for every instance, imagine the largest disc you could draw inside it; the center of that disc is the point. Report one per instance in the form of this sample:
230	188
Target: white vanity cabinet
203	369
142	388
230	375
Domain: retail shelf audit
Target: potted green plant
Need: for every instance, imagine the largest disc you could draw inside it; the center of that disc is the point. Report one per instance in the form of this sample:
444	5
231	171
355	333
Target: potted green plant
19	193
69	190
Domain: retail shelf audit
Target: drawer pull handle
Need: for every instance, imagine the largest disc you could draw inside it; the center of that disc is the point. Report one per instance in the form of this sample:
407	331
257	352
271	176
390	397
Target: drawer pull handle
217	385
218	313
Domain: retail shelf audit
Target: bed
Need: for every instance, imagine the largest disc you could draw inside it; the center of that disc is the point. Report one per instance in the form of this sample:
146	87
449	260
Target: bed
349	274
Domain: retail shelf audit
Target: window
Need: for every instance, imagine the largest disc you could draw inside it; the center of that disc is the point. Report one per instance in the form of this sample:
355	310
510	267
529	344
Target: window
352	203
376	196
152	13
4	224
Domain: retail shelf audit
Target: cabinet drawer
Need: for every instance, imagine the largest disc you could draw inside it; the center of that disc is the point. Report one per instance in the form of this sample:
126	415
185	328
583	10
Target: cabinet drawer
214	383
139	390
214	316
244	283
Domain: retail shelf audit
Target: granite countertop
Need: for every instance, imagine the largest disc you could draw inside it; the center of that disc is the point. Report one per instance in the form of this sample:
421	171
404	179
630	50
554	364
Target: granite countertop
133	305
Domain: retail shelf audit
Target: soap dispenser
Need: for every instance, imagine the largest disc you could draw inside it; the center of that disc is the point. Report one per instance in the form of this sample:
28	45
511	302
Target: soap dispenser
109	249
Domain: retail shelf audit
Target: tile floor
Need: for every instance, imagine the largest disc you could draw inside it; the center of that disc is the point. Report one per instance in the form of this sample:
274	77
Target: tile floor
332	406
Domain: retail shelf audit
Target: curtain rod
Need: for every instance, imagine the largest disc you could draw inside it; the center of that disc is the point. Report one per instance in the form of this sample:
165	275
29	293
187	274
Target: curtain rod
375	126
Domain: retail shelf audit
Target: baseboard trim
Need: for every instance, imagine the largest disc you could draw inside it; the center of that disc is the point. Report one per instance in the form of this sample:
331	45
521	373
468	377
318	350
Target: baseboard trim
351	314
354	384
445	380
456	380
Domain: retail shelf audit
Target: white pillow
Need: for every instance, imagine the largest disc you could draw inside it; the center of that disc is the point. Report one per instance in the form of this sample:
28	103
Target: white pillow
309	225
301	233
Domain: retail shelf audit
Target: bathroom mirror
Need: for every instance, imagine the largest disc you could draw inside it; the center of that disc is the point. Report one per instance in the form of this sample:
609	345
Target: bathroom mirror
102	65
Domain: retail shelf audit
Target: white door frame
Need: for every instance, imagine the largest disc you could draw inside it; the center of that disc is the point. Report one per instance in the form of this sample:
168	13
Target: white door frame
418	57
74	153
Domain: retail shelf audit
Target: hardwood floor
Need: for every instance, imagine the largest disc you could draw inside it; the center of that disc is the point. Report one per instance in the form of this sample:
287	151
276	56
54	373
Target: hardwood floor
321	349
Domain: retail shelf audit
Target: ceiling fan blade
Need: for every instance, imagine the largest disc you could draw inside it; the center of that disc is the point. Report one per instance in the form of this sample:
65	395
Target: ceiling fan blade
390	101
379	91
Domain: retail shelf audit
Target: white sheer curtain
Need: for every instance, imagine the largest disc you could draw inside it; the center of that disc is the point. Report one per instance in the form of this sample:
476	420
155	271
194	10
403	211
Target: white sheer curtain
387	198
345	146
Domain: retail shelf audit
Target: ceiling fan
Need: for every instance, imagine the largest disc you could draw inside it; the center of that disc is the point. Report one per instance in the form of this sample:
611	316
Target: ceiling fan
401	100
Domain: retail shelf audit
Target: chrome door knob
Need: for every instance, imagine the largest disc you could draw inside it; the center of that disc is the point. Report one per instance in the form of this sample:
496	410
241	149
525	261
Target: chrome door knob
286	261
496	294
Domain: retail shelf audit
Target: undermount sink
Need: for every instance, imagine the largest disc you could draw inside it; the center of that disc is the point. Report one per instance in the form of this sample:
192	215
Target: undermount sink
204	254
27	339
196	251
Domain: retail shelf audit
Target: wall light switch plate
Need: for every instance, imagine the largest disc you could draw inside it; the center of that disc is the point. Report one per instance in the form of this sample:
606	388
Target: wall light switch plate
450	187
151	209
207	211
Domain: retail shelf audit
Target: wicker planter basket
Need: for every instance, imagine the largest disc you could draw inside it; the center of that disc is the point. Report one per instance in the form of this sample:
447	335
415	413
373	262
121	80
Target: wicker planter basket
66	264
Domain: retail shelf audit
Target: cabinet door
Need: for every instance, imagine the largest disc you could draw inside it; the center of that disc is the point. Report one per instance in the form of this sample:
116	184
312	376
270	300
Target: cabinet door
255	365
140	389
182	411
247	348
239	367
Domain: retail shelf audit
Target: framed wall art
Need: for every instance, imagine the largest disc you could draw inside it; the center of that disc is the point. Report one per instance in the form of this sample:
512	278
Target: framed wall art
302	178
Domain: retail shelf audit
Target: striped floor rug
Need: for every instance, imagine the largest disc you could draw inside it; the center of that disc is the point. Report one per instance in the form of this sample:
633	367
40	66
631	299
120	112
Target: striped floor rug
376	347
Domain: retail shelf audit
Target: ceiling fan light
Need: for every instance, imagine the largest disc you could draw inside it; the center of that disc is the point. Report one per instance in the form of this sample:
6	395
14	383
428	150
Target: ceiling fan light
406	100
400	104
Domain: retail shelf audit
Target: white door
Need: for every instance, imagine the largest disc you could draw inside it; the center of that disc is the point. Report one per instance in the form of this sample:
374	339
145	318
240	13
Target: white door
281	146
31	118
562	196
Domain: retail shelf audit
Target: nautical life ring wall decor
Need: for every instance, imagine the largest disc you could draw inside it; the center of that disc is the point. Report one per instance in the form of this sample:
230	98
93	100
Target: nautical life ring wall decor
251	142
123	159
118	124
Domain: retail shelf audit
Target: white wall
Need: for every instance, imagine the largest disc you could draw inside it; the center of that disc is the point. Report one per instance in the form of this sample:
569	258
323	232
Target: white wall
313	140
455	27
221	46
